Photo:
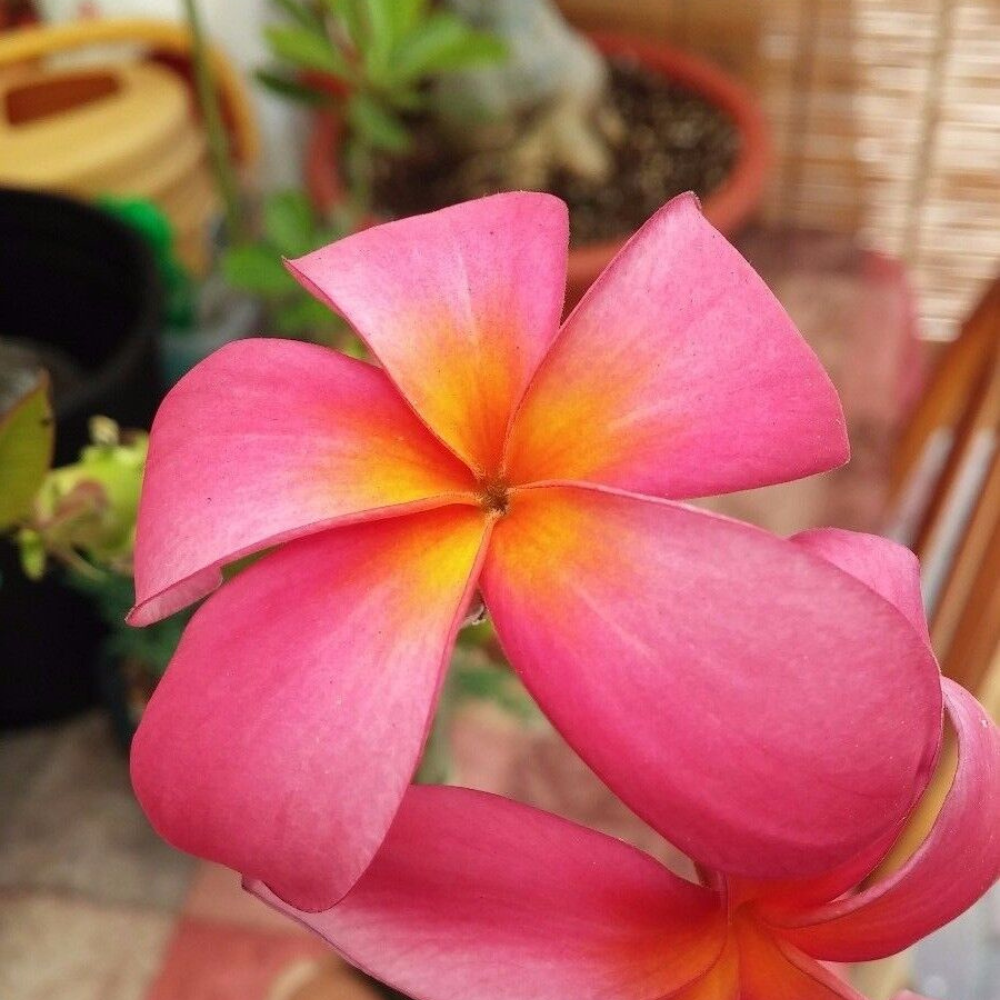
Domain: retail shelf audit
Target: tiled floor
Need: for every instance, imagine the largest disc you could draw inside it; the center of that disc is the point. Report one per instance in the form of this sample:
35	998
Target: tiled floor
57	947
73	827
93	906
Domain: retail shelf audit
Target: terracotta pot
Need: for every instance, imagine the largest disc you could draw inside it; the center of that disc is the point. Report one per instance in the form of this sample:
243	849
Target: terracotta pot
728	207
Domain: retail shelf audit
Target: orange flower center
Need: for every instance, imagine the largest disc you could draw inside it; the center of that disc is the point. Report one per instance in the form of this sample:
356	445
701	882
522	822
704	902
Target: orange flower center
494	495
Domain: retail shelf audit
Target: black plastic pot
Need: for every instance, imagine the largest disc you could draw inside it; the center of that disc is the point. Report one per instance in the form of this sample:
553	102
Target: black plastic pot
81	290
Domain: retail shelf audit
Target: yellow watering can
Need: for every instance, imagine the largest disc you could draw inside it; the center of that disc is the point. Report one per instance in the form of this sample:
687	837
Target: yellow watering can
128	127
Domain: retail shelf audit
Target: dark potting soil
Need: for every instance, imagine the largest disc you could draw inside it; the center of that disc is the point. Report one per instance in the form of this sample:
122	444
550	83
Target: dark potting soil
673	140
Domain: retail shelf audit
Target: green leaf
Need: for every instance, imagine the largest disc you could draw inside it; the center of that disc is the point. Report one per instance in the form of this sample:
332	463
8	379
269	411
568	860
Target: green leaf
475	677
352	347
373	27
377	49
303	316
32	552
442	44
235	568
479	48
351	16
27	435
407	15
289	223
302	13
307	49
149	649
288	87
381	21
377	125
406	99
257	268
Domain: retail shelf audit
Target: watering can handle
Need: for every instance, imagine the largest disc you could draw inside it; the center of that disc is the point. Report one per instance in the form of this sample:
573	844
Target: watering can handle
167	37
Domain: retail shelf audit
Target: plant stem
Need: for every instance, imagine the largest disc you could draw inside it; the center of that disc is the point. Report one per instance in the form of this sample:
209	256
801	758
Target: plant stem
218	140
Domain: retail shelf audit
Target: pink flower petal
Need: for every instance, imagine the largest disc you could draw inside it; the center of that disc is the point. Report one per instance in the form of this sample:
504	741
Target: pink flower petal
782	896
743	696
955	865
888	568
459	305
678	375
474	897
893	572
288	725
266	440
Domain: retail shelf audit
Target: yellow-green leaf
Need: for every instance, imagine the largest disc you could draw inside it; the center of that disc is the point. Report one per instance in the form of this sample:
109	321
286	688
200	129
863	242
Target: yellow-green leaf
307	49
27	435
377	124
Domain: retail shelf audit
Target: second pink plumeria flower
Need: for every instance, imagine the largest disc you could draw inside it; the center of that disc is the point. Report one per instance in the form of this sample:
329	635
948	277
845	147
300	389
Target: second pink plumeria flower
693	661
474	897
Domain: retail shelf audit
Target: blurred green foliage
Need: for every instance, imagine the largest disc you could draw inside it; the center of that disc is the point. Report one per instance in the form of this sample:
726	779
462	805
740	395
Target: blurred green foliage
372	60
82	518
290	228
477	674
27	435
380	52
83	514
149	648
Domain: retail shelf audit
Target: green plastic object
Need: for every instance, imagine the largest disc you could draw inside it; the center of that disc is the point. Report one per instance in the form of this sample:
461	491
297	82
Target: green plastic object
153	225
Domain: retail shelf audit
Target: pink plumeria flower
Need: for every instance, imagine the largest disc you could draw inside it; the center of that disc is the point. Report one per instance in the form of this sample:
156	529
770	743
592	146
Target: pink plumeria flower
474	897
688	658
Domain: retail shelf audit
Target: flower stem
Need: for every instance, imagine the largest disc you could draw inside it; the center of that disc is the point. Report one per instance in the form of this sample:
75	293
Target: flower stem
218	140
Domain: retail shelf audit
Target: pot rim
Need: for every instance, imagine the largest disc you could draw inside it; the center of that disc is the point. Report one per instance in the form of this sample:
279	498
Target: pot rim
52	215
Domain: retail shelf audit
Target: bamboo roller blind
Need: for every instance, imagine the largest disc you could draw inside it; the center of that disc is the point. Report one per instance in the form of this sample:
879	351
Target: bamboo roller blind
885	117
